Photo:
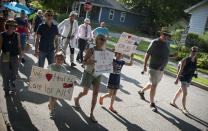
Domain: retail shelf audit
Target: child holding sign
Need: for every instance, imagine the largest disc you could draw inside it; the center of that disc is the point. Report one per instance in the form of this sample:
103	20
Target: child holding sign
114	80
57	66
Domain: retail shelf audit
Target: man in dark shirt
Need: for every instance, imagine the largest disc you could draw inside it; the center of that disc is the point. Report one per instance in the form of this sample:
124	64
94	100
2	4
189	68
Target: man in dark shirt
158	52
46	36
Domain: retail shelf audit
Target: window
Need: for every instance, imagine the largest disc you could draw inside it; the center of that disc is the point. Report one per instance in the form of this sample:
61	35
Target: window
111	14
123	16
206	26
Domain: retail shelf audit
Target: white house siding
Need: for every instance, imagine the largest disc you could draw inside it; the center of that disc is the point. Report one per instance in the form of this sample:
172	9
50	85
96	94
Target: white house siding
198	19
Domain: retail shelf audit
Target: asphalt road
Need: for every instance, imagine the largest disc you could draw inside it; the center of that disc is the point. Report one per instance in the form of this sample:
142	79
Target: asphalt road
28	111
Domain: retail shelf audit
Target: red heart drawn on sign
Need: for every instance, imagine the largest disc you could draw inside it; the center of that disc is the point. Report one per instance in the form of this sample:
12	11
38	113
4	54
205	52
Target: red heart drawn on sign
65	85
49	76
129	37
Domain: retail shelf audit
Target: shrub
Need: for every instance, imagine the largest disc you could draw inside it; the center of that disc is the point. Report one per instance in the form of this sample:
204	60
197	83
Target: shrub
196	40
191	40
202	61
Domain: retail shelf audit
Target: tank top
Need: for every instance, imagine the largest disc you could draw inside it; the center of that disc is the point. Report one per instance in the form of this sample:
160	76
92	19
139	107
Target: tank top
188	70
10	43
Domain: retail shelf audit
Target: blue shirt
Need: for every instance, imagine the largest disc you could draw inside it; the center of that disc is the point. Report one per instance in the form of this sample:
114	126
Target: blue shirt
47	36
101	30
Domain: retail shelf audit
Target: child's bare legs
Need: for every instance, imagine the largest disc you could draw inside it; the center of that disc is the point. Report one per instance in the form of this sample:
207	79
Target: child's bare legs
51	105
113	97
109	94
81	94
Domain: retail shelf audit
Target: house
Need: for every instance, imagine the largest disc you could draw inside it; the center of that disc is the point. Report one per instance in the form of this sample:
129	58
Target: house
199	17
111	12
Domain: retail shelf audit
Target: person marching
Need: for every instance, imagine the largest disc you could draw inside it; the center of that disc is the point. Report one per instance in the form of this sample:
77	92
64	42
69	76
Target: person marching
37	20
101	30
114	80
84	35
57	66
89	77
187	68
11	53
47	34
23	29
68	29
158	52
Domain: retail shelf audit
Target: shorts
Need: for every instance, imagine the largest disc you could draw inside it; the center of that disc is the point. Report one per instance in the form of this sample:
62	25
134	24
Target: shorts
185	84
114	81
155	76
88	80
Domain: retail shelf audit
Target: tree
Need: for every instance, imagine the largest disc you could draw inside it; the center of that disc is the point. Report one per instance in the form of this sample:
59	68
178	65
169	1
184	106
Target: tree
160	12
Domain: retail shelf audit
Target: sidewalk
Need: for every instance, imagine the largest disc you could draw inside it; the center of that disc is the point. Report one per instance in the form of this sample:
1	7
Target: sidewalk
2	123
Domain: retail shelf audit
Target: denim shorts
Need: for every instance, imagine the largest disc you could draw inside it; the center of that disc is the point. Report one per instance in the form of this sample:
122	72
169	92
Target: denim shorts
185	84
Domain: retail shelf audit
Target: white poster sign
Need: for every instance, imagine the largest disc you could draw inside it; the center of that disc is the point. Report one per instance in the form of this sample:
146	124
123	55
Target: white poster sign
127	44
104	62
51	83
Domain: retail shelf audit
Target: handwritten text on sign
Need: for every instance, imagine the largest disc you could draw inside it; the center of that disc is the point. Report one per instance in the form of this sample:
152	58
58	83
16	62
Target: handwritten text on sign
126	44
104	62
51	83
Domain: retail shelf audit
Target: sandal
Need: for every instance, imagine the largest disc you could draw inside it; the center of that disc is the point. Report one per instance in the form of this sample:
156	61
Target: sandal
112	109
92	118
101	100
185	112
174	105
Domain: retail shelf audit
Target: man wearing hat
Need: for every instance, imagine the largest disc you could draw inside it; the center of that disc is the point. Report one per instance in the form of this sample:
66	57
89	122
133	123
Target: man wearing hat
84	35
68	29
11	52
23	29
158	52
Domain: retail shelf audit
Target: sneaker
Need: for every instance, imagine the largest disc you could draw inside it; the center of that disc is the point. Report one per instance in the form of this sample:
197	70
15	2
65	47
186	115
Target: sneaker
153	107
23	60
76	103
52	114
141	95
73	64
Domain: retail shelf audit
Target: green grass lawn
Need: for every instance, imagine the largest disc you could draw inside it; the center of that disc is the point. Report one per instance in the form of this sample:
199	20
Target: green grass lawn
169	68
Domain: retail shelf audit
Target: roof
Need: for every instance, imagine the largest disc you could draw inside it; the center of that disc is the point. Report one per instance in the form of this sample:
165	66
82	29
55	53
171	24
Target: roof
196	6
108	3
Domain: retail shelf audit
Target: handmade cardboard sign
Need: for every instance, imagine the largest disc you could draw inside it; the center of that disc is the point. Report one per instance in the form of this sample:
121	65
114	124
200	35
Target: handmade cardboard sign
51	83
127	44
104	62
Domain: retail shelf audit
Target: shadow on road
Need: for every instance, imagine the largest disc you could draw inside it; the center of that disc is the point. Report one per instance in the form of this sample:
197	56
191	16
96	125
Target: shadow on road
68	119
191	116
125	122
27	66
128	79
181	124
18	116
26	95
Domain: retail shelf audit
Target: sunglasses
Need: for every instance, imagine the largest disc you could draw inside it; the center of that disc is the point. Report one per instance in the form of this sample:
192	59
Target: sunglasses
49	15
102	39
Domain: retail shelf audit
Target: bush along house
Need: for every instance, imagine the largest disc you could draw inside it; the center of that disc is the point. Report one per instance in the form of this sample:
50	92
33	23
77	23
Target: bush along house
111	12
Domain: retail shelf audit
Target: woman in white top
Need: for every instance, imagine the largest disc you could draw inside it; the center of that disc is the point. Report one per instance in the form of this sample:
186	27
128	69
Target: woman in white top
68	29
